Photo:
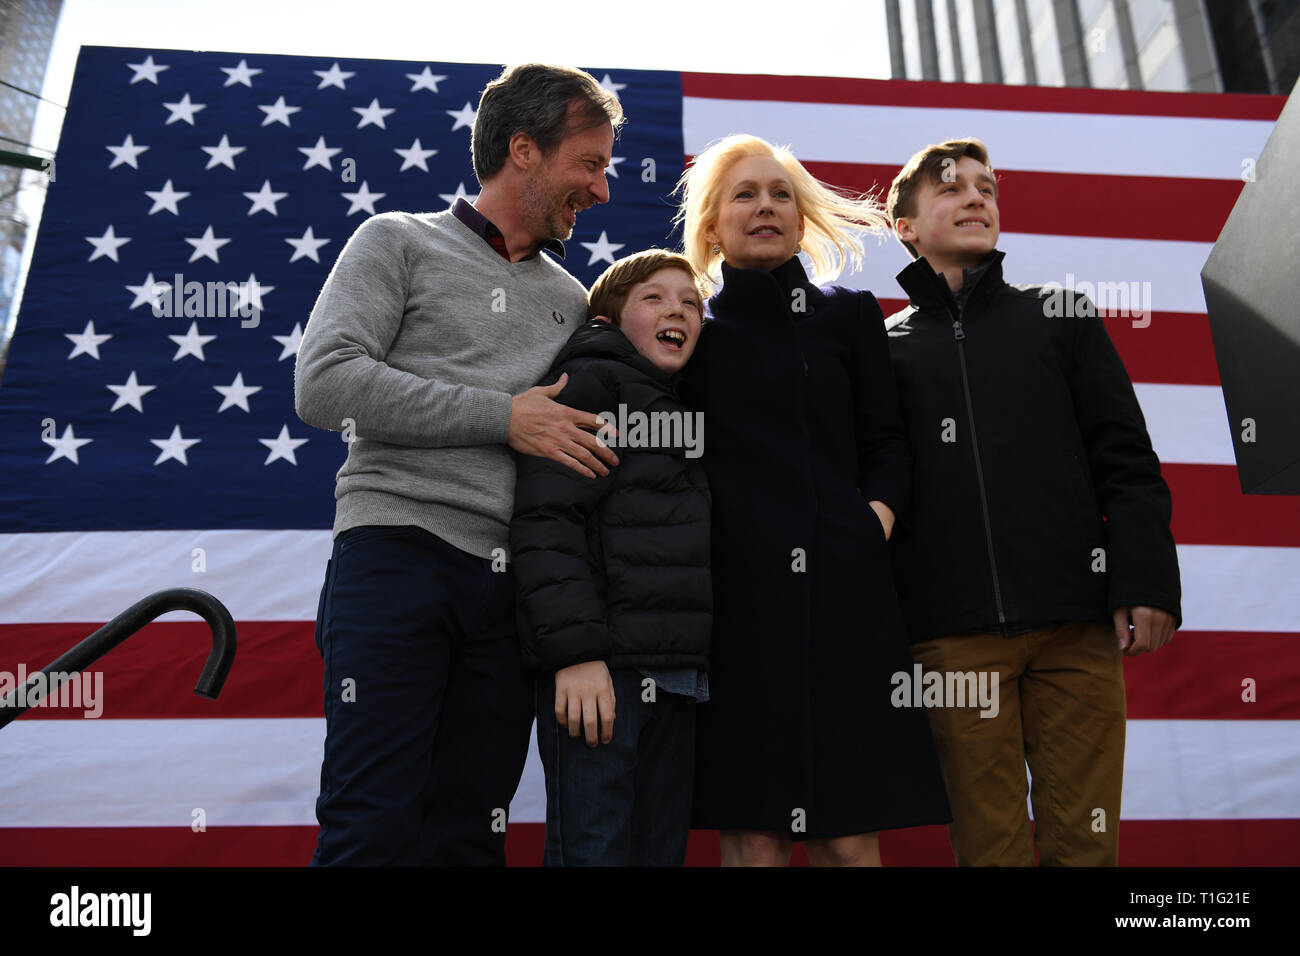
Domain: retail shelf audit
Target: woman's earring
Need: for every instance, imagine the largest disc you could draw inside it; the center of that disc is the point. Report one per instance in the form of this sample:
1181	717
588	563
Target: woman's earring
798	248
717	249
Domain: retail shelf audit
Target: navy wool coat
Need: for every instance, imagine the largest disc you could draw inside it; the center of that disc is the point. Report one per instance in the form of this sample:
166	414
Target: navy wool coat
802	428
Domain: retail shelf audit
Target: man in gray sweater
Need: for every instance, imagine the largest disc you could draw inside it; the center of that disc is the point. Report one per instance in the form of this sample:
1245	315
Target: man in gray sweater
421	349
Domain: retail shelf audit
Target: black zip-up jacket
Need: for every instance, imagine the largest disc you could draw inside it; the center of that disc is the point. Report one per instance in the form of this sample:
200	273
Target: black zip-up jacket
613	568
1037	498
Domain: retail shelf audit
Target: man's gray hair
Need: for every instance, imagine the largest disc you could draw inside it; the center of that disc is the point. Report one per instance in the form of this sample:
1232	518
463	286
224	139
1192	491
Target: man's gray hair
536	98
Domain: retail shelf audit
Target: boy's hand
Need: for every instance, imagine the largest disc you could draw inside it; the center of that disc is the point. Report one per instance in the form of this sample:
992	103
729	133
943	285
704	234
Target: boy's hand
547	429
1153	628
582	693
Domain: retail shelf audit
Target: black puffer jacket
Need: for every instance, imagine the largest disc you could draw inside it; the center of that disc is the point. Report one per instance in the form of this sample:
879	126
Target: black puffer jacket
1030	453
613	568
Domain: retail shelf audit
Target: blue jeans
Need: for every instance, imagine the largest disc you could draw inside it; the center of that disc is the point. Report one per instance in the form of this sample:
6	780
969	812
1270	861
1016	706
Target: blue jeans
625	803
427	705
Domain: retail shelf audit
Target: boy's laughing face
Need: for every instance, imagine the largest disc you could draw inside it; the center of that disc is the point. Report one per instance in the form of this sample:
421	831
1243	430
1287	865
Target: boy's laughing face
662	317
956	221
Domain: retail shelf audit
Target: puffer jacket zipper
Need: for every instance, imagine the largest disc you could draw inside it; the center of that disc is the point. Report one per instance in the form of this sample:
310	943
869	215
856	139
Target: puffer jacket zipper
959	334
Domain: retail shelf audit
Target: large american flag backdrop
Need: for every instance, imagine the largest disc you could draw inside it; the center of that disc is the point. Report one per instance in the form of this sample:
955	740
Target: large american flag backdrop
143	452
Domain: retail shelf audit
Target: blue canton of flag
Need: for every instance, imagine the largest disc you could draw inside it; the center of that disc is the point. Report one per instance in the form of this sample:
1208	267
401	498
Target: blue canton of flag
198	203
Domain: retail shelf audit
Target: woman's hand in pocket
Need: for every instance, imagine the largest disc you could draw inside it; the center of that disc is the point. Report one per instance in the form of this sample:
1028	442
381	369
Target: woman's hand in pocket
886	516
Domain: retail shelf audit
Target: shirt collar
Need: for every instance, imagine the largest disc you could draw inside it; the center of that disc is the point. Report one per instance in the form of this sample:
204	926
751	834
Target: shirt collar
486	230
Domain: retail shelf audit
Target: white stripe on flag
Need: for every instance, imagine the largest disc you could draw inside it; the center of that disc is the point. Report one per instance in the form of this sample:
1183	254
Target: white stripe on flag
1225	587
72	576
1188	424
121	773
106	773
1116	145
1239	588
1221	770
1133	276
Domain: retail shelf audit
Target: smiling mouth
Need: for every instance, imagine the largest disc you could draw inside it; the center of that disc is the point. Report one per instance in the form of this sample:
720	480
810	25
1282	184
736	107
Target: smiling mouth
967	223
764	231
673	338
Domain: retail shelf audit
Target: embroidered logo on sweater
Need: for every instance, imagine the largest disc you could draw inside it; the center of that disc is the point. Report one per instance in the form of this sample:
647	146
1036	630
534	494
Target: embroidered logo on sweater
559	319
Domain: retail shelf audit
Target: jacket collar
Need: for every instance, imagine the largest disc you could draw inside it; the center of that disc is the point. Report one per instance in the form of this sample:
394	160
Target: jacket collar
927	290
764	292
604	340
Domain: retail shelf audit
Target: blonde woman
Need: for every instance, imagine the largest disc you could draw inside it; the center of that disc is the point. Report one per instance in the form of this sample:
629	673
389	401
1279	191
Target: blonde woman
808	463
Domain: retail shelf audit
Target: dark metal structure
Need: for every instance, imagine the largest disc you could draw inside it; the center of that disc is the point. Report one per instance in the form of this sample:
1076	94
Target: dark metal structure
1252	294
133	619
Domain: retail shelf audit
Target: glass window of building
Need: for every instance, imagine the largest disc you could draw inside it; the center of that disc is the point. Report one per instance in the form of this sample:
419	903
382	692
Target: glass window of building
1101	44
911	39
970	47
943	41
1160	56
1008	27
1042	38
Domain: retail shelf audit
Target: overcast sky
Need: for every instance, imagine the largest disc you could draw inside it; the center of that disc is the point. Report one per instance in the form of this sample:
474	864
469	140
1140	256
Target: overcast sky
814	37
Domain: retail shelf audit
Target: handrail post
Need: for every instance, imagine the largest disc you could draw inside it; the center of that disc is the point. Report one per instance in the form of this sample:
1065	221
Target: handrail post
133	619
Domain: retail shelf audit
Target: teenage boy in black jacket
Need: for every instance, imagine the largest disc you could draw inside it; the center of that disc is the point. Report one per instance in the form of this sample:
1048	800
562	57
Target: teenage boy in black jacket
1038	547
612	575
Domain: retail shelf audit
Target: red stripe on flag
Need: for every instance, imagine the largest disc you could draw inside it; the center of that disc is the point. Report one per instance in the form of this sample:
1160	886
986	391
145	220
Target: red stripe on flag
1174	348
977	96
277	671
1209	508
1209	843
1142	843
1198	676
1079	204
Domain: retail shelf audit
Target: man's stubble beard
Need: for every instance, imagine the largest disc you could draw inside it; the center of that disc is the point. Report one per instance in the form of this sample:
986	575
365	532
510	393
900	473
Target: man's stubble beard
542	210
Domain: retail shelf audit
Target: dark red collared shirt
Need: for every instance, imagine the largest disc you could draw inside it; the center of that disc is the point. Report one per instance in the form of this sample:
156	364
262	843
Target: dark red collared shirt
483	226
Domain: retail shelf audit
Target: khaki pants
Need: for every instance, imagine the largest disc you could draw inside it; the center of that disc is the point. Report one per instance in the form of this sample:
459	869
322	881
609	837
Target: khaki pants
1062	711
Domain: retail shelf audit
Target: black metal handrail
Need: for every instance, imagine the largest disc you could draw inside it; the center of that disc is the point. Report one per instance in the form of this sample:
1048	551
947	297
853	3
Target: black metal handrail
215	669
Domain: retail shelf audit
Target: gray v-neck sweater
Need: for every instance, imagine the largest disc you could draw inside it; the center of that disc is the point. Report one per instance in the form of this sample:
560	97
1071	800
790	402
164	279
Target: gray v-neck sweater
420	337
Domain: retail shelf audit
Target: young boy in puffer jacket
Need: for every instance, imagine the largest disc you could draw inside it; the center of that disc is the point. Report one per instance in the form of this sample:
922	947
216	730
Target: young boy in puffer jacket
612	578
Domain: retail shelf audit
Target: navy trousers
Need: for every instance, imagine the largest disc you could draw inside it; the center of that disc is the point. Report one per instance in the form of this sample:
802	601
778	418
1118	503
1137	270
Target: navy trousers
627	802
427	707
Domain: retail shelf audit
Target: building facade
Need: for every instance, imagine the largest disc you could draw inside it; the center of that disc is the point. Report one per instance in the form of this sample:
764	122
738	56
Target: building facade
26	34
1212	46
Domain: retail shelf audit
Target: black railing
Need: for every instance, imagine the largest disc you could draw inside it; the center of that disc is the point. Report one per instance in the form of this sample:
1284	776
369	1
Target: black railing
215	669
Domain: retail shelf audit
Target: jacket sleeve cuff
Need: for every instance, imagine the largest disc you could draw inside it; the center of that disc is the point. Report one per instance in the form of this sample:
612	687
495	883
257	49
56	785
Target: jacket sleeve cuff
1135	598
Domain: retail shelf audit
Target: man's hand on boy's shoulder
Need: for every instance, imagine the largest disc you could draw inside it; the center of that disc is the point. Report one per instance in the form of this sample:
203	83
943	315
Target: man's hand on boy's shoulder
1152	628
584	697
543	427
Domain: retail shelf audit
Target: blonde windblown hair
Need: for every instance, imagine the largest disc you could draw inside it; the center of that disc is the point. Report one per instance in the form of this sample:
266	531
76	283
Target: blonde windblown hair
834	221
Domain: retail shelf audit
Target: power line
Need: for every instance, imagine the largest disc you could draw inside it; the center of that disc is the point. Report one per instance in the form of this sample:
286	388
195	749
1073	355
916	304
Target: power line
30	93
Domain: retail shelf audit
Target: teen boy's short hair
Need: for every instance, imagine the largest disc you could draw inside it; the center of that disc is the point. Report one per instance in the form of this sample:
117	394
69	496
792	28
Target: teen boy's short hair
609	293
926	168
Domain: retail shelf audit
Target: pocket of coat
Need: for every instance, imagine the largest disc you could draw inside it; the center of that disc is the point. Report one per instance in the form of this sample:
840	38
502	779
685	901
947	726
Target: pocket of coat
875	521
